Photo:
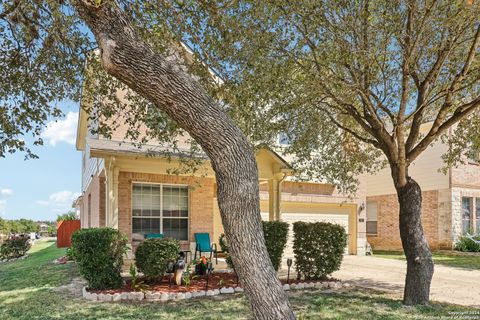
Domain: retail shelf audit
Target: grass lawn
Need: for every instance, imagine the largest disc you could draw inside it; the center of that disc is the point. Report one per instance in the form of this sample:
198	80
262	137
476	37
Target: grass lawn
453	259
26	293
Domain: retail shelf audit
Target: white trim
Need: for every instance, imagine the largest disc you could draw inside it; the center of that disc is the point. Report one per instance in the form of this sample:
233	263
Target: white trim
161	183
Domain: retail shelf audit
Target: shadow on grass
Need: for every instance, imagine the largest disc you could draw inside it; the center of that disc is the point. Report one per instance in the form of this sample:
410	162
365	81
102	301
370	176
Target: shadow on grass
37	271
26	293
309	304
368	304
45	304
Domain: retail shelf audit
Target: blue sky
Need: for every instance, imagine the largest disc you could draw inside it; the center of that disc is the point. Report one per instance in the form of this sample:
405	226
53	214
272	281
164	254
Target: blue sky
40	189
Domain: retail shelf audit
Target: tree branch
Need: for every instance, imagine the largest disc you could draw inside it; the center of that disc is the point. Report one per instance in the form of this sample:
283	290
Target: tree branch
349	130
425	85
167	84
10	9
460	113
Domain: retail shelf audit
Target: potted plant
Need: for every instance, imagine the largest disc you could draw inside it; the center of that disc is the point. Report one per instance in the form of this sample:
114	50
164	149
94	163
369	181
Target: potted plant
201	265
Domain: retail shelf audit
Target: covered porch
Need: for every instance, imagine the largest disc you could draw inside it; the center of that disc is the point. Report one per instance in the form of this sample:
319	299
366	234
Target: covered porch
126	167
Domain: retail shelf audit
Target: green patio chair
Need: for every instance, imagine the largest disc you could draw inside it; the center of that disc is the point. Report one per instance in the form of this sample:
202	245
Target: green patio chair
154	236
203	244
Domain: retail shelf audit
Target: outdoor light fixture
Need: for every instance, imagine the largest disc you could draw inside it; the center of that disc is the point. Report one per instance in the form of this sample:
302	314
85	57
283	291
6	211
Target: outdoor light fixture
362	207
289	265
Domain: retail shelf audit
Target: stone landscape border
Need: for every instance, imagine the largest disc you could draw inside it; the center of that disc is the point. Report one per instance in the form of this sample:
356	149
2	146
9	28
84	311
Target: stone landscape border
150	296
14	259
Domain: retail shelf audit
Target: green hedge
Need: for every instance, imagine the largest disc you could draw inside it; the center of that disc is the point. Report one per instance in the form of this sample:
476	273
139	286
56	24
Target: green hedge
153	255
276	234
318	248
15	247
466	244
98	253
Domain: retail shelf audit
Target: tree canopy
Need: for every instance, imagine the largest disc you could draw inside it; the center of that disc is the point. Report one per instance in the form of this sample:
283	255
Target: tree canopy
18	226
377	70
43	47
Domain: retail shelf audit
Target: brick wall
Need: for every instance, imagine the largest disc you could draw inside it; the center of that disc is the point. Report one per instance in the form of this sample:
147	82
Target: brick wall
434	224
97	205
200	200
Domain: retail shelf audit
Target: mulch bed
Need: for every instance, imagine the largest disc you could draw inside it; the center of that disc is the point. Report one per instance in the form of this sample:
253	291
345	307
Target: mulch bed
216	280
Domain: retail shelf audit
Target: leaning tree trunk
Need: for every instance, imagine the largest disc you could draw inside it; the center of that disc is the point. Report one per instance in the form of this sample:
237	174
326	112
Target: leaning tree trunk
127	57
419	257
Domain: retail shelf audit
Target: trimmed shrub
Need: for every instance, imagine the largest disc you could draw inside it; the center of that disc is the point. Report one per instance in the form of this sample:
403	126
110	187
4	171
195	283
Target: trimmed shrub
153	255
67	217
222	242
14	247
318	248
98	253
276	234
466	244
69	254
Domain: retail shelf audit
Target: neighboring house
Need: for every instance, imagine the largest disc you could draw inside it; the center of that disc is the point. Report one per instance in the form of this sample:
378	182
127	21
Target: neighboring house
125	187
451	202
43	229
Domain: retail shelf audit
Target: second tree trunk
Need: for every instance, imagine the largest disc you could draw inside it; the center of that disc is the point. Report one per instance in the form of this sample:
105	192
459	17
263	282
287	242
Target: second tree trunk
419	258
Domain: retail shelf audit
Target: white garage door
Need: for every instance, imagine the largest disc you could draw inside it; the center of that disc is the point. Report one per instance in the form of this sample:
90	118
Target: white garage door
291	217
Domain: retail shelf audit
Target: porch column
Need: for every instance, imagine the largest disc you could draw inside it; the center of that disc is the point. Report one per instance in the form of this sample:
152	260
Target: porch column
274	193
111	210
114	221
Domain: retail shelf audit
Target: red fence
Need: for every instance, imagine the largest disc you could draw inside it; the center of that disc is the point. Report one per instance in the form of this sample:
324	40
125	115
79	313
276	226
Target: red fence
65	229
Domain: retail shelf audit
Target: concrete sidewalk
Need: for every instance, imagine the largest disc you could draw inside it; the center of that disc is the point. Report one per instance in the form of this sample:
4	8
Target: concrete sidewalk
452	285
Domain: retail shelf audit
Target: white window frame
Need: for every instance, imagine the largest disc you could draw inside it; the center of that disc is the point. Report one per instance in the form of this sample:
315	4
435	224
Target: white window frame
161	217
476	215
471	201
370	203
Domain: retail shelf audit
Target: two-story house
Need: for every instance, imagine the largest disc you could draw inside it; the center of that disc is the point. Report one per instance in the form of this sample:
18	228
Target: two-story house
451	202
125	187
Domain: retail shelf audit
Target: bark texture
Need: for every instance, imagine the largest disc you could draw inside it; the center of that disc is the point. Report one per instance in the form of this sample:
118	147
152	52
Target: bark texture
419	258
166	84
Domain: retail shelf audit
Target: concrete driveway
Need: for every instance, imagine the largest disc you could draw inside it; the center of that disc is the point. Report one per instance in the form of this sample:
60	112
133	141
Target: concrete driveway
452	285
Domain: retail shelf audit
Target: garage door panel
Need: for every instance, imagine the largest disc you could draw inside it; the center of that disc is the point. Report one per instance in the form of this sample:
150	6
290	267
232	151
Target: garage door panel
341	219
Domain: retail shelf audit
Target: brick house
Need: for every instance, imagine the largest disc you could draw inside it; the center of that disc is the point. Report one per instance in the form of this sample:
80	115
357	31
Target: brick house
127	188
451	202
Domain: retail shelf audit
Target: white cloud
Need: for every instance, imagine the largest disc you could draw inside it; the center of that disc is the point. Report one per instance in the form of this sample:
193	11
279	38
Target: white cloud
6	192
62	130
59	199
42	202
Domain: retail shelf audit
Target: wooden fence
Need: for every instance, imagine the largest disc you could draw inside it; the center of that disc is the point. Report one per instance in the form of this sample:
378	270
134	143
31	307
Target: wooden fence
65	229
